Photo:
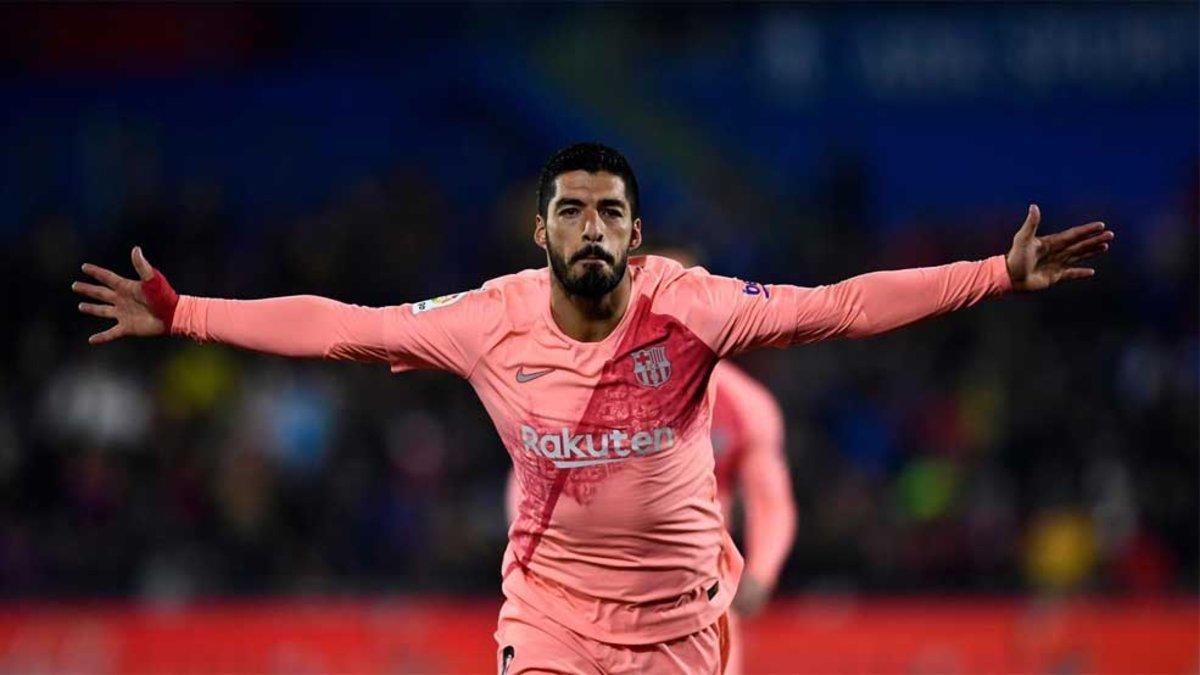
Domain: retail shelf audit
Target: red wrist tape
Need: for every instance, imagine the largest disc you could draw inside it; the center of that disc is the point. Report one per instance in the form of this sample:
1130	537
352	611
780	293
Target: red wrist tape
161	298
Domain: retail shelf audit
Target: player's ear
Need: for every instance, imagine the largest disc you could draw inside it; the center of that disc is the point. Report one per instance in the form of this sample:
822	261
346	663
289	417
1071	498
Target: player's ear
635	237
539	232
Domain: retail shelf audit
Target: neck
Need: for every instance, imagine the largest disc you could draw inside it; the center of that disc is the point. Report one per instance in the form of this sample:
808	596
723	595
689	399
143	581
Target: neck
589	319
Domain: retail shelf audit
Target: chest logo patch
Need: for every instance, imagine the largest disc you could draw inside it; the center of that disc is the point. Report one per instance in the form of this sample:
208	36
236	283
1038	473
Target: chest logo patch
651	366
524	377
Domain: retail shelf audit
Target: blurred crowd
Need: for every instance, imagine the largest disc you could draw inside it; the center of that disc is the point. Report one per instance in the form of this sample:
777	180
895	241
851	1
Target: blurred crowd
1043	442
1036	443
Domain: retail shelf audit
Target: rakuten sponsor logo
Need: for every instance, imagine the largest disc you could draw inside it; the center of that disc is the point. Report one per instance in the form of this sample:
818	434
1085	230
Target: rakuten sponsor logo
568	450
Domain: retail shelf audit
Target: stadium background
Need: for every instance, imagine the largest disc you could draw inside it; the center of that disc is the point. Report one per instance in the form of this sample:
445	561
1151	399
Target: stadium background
1012	488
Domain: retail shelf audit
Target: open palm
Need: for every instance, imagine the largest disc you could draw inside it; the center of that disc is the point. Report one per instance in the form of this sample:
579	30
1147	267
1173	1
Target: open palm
1035	263
123	299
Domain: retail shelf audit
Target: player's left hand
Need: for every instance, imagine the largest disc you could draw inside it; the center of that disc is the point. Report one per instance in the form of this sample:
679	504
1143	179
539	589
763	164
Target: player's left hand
751	596
1037	262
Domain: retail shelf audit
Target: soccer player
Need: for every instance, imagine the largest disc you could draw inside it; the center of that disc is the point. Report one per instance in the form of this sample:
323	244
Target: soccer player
595	373
748	448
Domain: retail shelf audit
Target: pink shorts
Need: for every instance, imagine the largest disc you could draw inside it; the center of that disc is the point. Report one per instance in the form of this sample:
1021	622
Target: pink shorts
530	642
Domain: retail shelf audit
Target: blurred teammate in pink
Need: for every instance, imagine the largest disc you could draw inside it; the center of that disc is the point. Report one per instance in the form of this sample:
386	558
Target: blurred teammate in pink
748	446
595	371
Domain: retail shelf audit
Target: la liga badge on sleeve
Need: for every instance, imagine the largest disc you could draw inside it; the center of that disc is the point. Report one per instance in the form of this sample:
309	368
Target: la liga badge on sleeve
438	302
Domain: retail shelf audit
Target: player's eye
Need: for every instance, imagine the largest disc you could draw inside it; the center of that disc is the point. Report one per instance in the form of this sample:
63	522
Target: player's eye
613	213
568	211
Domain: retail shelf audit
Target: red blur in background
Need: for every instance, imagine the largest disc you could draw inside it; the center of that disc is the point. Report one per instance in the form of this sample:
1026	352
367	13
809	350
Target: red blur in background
805	635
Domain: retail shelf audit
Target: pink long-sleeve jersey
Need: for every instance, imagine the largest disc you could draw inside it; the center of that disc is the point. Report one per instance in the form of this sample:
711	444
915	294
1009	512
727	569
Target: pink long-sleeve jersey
619	534
747	435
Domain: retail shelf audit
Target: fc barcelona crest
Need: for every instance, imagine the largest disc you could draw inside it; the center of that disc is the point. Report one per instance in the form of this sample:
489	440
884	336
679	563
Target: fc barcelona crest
651	366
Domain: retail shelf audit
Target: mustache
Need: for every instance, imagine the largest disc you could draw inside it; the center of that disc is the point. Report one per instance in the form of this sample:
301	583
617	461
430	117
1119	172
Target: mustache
593	251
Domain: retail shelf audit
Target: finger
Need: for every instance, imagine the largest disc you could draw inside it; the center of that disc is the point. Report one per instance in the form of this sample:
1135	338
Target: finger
107	336
1086	253
104	276
1073	235
95	292
144	270
1077	273
1030	226
105	311
1088	242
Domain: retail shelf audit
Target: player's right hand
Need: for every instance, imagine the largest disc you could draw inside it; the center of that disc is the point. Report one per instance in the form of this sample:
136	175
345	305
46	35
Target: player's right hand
143	307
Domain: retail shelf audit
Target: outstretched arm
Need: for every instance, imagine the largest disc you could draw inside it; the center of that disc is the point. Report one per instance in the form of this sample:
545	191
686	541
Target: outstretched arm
303	325
406	336
306	326
882	301
734	315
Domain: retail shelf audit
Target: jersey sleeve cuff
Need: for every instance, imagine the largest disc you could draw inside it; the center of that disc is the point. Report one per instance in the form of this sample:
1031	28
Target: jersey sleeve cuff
187	306
997	266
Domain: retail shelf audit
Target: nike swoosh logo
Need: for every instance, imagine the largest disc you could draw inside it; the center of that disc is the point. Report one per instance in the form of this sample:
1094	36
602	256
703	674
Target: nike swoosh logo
524	377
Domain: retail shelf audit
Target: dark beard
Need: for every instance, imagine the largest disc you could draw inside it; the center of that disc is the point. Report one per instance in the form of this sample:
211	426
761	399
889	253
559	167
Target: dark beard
593	282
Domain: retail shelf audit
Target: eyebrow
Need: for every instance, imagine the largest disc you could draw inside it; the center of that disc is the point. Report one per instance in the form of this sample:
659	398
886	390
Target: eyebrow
572	201
567	201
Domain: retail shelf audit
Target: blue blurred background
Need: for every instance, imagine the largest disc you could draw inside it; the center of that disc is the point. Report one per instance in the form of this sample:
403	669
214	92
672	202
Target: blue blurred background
384	154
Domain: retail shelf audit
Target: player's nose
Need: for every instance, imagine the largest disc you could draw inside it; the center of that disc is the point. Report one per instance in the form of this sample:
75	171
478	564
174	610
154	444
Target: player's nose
592	226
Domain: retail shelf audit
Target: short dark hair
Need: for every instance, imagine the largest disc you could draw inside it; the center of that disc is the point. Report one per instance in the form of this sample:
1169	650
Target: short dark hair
592	158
